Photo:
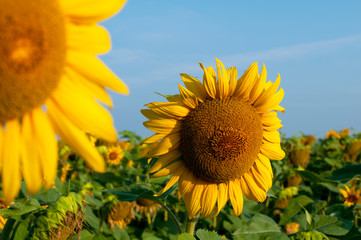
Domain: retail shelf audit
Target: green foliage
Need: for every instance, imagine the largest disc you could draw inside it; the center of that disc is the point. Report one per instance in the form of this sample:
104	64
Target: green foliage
315	204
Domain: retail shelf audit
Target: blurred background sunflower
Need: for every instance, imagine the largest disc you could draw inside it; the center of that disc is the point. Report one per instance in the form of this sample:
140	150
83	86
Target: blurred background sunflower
50	79
216	138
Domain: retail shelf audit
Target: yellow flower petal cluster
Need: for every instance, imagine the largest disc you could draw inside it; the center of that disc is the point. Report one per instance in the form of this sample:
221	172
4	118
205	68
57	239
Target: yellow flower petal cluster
351	195
216	138
115	154
50	80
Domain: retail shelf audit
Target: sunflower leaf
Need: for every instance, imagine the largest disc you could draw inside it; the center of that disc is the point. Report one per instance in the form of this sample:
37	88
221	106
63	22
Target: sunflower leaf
331	225
294	206
260	227
203	234
185	236
346	173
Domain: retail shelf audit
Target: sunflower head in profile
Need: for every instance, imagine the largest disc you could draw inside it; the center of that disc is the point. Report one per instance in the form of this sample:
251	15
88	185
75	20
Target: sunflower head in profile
51	80
333	133
216	138
351	195
121	214
146	207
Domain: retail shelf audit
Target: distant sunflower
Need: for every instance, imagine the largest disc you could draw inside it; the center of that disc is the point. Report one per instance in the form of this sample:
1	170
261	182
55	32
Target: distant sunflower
50	79
121	214
114	155
146	207
333	133
352	196
217	138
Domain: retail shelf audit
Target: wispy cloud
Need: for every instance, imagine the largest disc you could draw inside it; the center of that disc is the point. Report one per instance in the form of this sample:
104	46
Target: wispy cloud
295	51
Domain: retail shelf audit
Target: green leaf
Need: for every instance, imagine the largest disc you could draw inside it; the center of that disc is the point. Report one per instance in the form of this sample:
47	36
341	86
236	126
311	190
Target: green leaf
20	208
313	177
260	227
22	230
149	236
294	206
185	236
203	234
331	225
346	173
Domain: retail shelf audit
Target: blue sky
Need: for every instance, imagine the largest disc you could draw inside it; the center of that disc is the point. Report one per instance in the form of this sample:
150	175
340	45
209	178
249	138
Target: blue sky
315	46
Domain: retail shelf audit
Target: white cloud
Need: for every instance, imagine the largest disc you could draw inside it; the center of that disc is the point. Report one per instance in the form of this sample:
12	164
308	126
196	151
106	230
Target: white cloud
294	51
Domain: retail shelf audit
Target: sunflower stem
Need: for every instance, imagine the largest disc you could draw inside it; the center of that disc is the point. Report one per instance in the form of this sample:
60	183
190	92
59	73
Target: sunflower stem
177	223
191	224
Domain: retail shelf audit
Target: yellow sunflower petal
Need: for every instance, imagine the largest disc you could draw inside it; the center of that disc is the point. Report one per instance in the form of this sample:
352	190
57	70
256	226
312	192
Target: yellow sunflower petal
75	137
169	109
168	143
253	189
209	82
209	199
232	71
29	157
236	196
265	173
194	202
164	126
195	86
173	180
165	159
343	192
259	85
11	161
90	88
270	119
100	74
246	190
272	137
278	108
265	162
150	114
176	175
263	179
223	196
154	138
186	183
47	146
169	169
88	38
1	146
268	92
188	97
90	11
272	151
271	103
245	82
223	80
86	113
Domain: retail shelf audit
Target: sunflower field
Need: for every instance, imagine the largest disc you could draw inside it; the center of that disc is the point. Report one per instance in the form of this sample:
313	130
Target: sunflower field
315	194
216	167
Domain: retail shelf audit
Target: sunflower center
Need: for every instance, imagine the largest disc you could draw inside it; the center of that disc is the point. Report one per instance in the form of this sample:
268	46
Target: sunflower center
145	202
32	54
220	139
113	156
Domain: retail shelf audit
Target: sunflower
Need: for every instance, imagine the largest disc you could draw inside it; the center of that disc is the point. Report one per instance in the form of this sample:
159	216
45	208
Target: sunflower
146	207
121	214
50	80
114	155
217	138
352	196
333	133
